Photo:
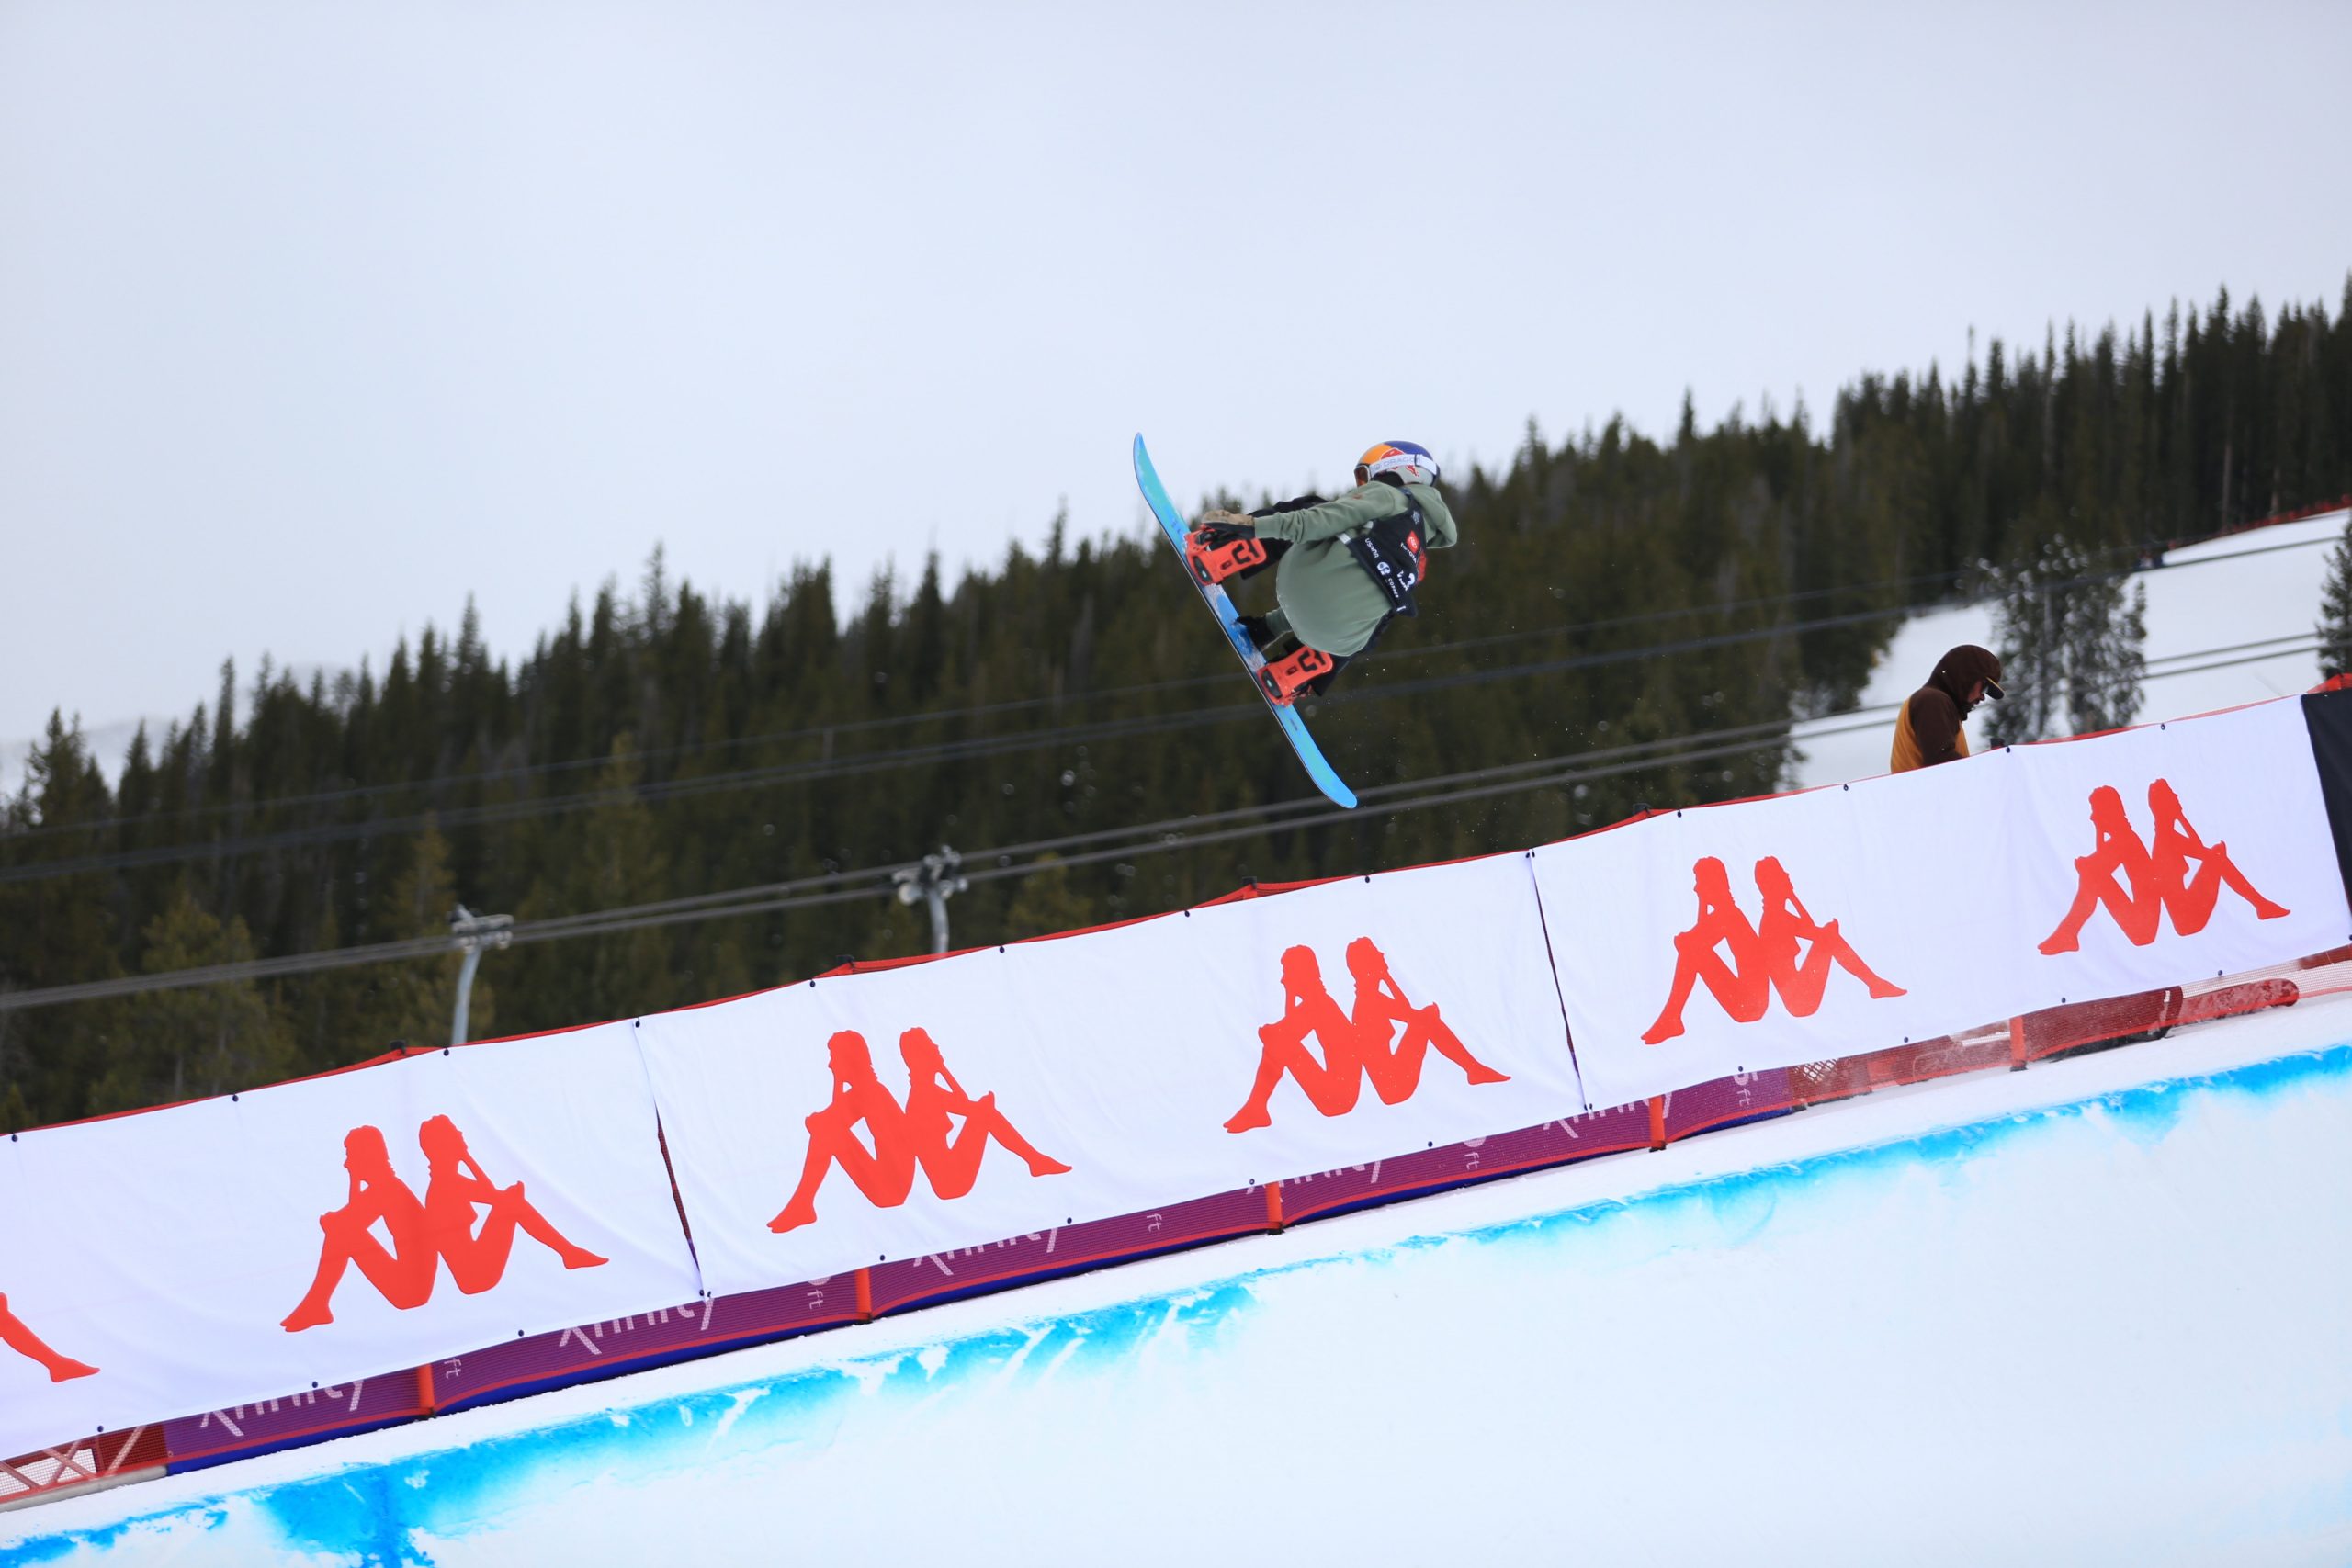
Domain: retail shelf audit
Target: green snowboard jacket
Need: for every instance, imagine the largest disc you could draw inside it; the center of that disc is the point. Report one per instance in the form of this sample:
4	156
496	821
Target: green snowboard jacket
1325	599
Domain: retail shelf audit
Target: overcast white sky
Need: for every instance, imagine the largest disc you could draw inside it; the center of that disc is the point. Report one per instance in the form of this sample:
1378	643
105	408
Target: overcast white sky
315	318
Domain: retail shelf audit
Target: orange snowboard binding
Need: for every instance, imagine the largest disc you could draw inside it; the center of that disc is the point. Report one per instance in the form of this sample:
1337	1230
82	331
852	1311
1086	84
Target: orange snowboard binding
1212	567
1284	679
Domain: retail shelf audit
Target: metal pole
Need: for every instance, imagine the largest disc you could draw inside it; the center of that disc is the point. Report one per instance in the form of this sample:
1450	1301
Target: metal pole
932	883
937	900
458	1021
470	931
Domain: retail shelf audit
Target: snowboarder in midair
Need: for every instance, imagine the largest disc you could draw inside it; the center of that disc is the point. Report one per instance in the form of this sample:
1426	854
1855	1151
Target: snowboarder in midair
1343	567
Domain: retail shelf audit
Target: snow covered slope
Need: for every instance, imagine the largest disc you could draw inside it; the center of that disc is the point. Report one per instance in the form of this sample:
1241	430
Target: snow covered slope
2223	594
2093	1312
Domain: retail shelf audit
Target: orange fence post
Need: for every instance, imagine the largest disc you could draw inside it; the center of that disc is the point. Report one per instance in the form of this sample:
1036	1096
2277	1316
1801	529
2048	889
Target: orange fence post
2017	1045
425	1397
865	1297
1657	1123
1273	1205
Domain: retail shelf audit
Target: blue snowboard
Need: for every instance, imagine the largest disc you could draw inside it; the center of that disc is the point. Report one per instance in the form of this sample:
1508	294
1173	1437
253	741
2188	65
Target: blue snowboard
1293	726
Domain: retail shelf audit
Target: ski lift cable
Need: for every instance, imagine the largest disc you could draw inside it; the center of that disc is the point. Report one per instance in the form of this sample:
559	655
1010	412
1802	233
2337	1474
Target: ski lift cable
1140	841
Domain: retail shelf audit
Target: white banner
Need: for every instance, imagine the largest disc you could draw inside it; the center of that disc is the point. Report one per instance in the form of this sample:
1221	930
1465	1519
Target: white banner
1704	942
248	1247
907	1113
313	1233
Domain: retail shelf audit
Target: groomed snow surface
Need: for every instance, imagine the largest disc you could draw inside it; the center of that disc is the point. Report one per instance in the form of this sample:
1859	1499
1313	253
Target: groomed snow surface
2094	1313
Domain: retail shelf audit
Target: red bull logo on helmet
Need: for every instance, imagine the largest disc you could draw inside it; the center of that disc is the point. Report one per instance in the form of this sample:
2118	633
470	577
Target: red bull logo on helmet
1405	459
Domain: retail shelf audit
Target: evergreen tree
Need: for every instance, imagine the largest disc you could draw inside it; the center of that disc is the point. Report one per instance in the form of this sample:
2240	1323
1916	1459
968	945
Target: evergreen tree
1047	903
2070	635
2026	615
16	1111
182	1045
2107	631
892	929
57	930
611	857
415	1000
2334	628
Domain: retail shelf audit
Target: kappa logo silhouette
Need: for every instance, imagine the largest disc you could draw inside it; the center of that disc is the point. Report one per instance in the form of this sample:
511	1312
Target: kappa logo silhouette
920	1135
26	1343
1383	1041
425	1233
1786	949
2157	870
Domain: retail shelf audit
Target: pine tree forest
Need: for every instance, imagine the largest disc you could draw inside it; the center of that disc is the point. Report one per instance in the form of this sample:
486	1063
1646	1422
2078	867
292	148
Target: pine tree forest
1642	617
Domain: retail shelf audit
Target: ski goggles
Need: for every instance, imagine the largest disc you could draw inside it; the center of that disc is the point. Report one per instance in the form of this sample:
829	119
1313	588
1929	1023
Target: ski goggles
1389	456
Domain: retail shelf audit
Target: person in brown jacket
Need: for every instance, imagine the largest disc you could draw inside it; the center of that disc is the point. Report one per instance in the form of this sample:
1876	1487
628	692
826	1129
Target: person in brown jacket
1929	728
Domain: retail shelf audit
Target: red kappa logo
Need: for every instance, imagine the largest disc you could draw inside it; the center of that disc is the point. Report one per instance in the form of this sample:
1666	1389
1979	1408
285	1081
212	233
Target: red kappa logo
1786	949
2157	870
921	1134
1383	1043
26	1343
423	1234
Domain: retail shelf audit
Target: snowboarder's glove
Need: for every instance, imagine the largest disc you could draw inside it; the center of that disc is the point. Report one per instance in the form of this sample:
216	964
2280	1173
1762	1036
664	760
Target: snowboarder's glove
1218	529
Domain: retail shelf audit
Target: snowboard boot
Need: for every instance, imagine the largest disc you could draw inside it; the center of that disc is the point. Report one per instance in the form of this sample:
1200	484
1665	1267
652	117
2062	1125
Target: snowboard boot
1322	684
1211	567
1285	679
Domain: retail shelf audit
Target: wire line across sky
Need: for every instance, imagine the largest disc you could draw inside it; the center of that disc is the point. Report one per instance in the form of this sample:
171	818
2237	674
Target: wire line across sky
1117	844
